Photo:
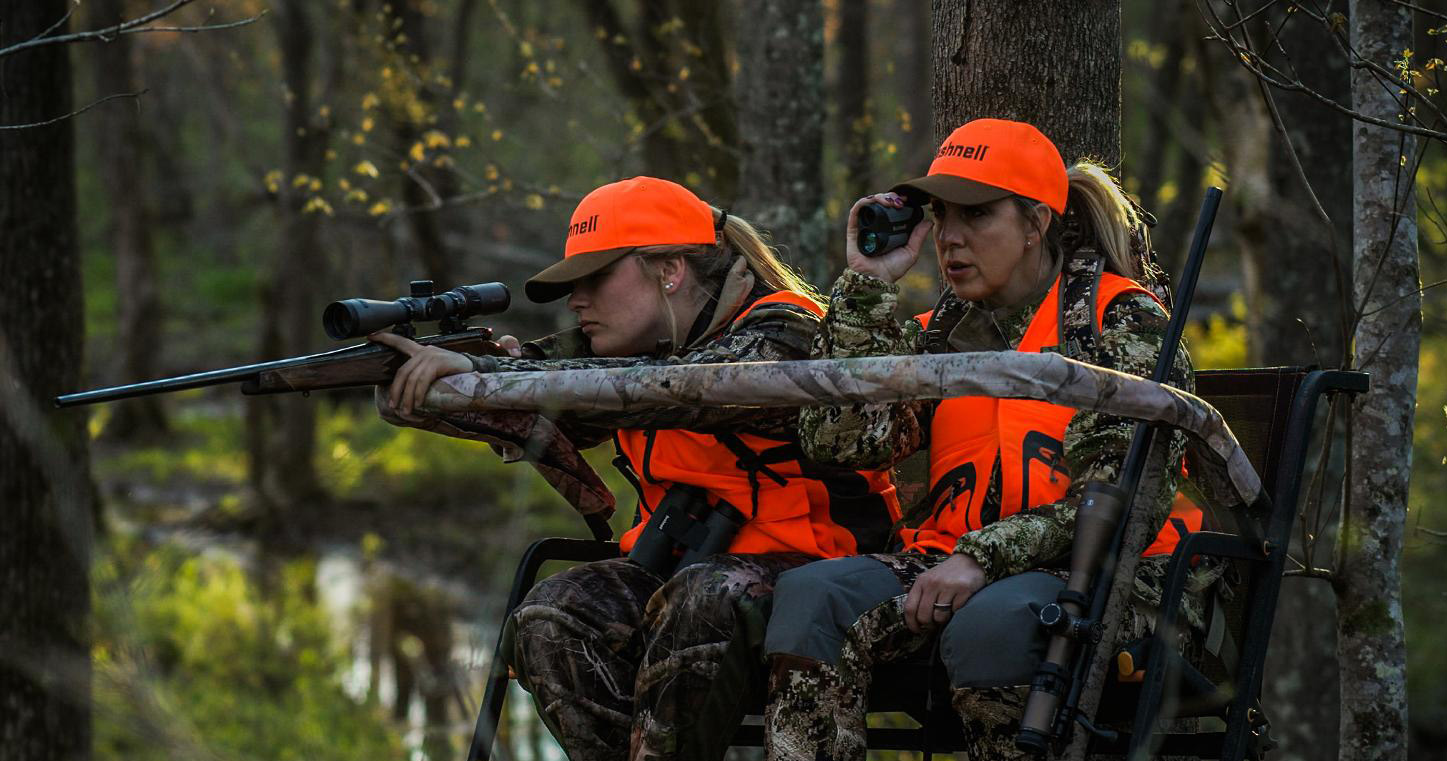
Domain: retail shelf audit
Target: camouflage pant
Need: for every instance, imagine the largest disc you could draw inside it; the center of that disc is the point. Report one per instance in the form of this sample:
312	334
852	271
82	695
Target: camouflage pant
817	709
623	665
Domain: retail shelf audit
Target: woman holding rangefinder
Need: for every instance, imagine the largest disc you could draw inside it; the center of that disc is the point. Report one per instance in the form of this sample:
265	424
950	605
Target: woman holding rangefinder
1036	258
624	661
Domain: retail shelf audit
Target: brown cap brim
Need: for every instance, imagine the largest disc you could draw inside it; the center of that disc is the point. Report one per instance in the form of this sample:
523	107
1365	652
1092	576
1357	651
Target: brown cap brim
953	189
556	281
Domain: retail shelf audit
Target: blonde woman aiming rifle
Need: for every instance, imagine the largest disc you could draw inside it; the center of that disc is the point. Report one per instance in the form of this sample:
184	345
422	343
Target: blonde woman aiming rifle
650	655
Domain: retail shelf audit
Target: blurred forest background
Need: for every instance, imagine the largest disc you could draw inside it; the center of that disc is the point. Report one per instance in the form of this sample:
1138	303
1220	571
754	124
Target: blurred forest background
291	578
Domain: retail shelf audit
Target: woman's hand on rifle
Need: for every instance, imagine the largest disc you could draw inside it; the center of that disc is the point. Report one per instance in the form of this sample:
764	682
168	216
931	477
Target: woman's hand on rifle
424	365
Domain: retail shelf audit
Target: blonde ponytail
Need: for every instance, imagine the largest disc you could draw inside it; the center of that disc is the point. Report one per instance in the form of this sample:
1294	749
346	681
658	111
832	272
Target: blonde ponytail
1110	216
742	238
711	263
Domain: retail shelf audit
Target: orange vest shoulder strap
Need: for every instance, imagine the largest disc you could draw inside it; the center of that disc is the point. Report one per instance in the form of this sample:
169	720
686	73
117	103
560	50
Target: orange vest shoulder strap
783	297
1113	286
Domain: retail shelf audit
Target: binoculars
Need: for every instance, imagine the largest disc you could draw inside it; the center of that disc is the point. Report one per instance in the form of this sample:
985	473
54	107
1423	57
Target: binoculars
885	228
354	318
685	529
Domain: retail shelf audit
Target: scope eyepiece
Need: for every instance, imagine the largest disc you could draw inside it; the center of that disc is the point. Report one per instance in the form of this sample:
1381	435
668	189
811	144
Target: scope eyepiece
885	228
354	318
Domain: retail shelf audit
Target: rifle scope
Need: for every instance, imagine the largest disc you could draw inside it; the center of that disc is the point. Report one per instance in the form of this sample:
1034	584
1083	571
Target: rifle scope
354	318
885	228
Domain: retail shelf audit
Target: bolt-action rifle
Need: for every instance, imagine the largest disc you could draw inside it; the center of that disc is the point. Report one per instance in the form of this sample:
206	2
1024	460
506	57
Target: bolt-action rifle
1074	620
360	365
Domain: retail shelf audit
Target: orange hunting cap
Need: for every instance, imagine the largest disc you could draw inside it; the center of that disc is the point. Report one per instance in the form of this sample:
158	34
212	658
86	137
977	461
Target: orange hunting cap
615	219
988	159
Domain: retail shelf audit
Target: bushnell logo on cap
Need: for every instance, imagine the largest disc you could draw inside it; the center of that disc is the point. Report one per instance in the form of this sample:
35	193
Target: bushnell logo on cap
989	159
976	152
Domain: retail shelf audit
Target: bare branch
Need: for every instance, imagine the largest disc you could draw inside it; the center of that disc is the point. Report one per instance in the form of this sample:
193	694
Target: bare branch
1420	9
75	113
1272	75
134	26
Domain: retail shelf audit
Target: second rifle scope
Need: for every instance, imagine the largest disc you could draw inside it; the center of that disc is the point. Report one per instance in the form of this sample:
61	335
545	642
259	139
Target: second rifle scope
354	318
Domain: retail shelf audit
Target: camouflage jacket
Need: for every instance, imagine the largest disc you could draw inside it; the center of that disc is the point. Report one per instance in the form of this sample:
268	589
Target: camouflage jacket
861	322
772	331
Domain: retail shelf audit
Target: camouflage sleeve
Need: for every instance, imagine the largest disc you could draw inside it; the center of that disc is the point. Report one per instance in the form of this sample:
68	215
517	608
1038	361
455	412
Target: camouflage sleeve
1095	447
860	323
770	332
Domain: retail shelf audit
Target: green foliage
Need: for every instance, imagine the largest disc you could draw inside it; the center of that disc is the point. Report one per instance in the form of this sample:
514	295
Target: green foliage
1424	601
194	658
1220	342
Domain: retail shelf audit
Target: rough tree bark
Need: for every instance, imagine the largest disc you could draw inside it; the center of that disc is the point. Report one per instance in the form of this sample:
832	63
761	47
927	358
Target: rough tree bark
1371	651
1056	65
45	535
122	158
781	128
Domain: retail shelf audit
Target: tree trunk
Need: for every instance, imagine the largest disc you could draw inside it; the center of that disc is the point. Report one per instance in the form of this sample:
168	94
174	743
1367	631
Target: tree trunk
781	128
282	428
1371	650
1055	65
915	69
851	92
425	186
46	534
122	156
1294	316
677	80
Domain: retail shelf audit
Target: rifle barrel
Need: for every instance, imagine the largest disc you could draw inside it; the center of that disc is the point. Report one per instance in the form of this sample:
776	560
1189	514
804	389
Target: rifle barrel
194	380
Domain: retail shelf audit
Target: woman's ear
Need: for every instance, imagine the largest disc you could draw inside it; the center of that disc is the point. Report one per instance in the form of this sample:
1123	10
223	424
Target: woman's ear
1042	219
671	270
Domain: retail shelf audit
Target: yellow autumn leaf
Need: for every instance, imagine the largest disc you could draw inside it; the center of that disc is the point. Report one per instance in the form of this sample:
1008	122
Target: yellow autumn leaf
490	172
526	48
496	135
317	204
366	168
533	201
368	123
300	180
357	195
370	100
273	180
463	141
417	152
379	208
359	139
344	184
437	139
442	162
315	185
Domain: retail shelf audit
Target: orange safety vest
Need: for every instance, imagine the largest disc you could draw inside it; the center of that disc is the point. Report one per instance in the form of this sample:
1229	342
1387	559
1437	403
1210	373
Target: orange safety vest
793	504
969	433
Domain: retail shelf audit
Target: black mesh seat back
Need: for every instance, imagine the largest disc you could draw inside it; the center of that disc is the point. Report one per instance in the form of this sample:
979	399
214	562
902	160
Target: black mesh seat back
1256	403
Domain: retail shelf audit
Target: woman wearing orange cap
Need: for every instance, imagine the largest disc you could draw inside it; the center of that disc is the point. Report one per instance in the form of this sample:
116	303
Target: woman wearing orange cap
625	657
1036	258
